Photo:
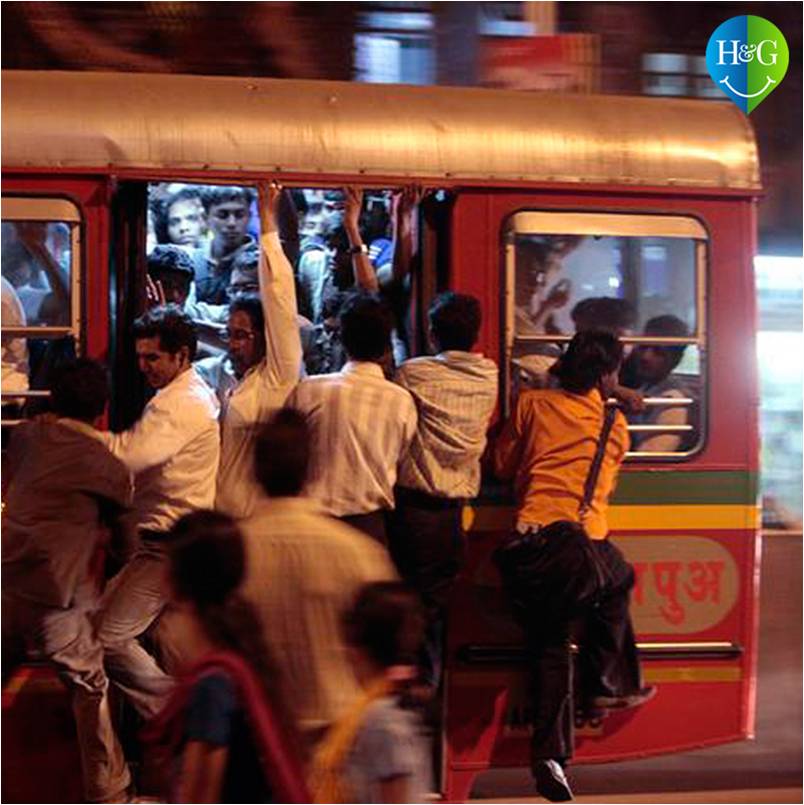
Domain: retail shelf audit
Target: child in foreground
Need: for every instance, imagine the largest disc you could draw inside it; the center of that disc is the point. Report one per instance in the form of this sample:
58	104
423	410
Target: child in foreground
374	753
223	729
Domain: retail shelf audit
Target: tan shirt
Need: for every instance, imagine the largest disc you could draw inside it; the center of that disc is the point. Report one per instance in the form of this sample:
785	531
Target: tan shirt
455	394
303	571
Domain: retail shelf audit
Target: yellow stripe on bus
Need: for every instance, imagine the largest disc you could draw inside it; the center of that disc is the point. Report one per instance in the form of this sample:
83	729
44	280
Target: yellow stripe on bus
635	518
697	673
505	679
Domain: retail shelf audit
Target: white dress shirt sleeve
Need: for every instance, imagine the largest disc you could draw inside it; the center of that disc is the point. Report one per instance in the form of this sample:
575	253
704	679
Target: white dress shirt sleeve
283	350
153	439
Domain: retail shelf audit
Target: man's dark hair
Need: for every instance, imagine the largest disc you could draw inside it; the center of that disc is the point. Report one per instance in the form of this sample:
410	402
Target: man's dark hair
247	259
333	303
386	621
591	355
604	313
668	326
455	320
282	454
173	264
366	325
251	305
173	327
79	389
216	194
160	209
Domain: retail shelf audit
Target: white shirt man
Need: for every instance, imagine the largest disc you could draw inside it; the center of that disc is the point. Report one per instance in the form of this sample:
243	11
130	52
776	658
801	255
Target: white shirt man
361	424
173	452
262	366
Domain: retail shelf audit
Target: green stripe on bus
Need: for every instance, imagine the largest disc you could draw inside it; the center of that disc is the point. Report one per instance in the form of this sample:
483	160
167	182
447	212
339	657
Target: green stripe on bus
662	487
674	487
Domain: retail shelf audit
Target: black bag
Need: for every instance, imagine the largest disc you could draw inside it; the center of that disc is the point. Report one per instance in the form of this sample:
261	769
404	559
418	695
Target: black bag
555	569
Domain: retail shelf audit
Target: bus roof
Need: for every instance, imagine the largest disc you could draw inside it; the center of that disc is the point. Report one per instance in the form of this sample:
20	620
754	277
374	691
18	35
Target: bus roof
185	123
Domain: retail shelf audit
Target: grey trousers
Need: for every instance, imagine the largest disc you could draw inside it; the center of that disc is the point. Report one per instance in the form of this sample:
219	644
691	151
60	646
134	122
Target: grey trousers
133	600
65	638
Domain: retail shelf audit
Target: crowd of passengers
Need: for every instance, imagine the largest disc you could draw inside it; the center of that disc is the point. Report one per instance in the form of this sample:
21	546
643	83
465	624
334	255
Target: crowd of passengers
279	544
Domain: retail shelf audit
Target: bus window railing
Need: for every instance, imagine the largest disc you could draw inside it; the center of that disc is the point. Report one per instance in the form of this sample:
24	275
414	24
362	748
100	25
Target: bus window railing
13	396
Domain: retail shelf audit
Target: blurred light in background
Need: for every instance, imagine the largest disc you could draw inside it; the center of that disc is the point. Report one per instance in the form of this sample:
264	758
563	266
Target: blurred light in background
780	351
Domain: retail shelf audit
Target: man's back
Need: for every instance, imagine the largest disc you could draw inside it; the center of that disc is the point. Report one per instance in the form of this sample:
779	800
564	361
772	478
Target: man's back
455	394
547	447
304	570
60	482
361	425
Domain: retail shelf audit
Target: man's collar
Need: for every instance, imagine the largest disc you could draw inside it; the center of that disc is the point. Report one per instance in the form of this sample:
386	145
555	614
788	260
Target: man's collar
368	368
81	427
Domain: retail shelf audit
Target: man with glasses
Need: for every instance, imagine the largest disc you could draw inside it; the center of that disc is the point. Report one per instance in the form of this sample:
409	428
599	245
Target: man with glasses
262	363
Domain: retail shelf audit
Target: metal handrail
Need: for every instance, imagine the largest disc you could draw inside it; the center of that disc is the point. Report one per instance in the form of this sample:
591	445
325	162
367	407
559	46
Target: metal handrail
37	332
28	393
538	338
660	428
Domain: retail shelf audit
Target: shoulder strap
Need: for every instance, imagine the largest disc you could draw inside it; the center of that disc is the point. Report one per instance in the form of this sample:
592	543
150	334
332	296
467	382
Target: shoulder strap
610	412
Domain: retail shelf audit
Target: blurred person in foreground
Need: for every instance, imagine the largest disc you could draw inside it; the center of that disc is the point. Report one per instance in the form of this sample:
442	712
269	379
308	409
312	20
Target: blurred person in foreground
361	424
563	450
303	571
455	392
172	450
225	727
63	490
375	752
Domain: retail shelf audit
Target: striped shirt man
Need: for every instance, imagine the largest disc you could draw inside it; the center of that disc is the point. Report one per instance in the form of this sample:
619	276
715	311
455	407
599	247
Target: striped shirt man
362	425
455	394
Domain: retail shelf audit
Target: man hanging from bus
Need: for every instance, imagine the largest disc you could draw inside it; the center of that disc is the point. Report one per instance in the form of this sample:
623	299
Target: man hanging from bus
172	450
563	451
262	364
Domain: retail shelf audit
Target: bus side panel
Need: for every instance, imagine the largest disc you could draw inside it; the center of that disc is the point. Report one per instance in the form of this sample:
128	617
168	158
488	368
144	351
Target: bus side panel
690	527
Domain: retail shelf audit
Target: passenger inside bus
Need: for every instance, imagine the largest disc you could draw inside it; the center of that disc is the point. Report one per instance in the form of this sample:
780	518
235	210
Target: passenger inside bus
179	217
652	372
228	211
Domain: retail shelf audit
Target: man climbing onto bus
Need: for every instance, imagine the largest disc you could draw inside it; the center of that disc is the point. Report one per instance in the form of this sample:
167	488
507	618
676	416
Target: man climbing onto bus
262	365
62	489
563	449
361	423
173	452
455	392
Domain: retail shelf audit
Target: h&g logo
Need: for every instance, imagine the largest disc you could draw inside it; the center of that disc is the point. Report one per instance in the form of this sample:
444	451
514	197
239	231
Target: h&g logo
747	58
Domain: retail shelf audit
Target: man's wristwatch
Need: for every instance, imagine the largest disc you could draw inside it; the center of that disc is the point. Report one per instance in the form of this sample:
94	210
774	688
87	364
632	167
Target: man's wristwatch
361	249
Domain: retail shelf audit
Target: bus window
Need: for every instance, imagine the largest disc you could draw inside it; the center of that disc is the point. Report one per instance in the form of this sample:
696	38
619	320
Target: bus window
40	304
639	277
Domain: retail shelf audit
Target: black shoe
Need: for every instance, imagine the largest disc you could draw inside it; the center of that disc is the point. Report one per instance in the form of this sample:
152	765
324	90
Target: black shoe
551	782
625	702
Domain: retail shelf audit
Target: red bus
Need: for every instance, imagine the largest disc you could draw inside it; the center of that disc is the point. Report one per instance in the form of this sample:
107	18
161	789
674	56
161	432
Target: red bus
648	201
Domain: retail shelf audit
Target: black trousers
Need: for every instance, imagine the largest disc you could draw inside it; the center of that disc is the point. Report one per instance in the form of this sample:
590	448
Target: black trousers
426	541
372	524
608	662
